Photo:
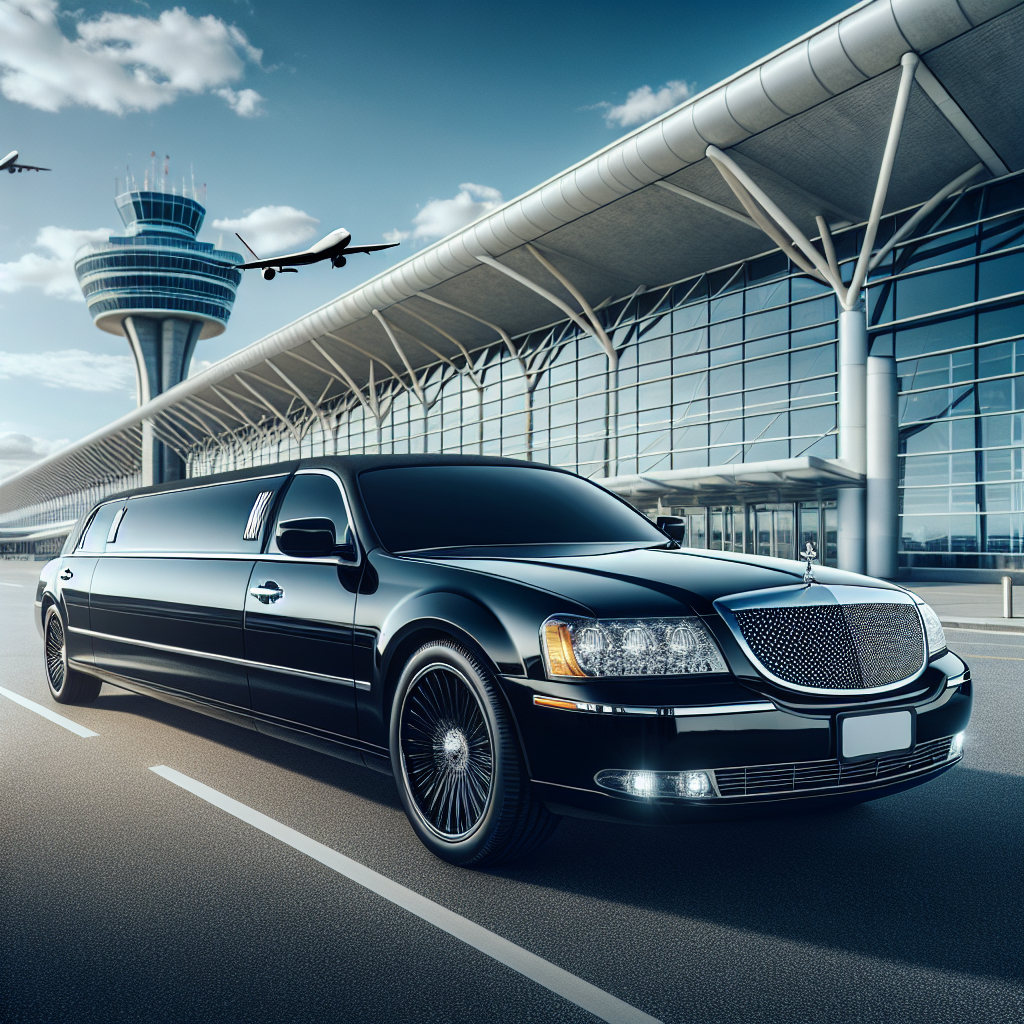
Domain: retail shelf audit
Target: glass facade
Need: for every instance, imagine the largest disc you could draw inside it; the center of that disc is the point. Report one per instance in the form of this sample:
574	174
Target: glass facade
158	265
739	365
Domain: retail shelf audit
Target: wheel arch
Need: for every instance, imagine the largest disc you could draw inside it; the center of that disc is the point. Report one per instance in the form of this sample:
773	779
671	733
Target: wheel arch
442	616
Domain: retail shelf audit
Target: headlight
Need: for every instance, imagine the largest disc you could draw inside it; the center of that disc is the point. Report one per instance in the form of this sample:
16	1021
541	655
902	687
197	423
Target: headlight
576	647
933	630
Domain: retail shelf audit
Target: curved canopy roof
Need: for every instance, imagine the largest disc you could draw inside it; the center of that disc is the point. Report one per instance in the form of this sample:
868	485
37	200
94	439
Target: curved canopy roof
807	123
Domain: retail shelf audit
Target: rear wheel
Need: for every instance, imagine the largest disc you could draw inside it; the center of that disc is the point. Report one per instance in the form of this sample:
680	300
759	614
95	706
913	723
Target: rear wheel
459	770
67	685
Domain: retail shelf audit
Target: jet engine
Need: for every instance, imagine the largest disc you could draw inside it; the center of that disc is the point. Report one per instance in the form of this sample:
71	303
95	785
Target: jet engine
269	273
338	261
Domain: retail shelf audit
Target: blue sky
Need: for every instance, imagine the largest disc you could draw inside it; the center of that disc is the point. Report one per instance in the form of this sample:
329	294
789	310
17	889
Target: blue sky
400	120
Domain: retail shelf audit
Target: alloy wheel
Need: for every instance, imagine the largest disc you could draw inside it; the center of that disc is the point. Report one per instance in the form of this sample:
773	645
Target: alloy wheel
56	652
447	752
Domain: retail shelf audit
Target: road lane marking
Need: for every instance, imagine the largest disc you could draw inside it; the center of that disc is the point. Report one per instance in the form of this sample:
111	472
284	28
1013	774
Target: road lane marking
74	727
591	998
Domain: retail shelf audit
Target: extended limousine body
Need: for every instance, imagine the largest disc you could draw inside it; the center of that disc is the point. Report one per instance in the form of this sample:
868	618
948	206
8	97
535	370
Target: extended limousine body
511	641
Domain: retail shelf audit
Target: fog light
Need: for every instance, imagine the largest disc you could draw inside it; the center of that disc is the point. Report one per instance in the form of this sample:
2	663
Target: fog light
694	784
956	746
673	785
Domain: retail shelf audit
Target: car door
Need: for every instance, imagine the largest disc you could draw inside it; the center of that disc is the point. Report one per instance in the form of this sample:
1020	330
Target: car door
168	593
74	579
298	621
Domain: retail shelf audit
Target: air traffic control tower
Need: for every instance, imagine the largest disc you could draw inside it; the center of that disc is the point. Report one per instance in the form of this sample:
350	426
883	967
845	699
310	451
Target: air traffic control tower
163	291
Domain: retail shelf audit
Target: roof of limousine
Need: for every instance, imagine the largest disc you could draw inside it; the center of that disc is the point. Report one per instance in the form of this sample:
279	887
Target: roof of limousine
347	465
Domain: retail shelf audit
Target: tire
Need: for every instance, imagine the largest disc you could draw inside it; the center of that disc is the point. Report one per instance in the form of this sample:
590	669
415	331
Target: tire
67	685
457	763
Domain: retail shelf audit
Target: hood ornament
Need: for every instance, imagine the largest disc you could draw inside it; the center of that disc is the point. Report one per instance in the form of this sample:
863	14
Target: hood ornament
808	555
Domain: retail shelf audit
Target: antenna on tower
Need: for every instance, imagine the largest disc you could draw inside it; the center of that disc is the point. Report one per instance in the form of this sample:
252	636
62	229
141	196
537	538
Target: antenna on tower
192	171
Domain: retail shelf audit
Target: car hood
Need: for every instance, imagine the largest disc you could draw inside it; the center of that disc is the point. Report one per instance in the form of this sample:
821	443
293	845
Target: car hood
652	581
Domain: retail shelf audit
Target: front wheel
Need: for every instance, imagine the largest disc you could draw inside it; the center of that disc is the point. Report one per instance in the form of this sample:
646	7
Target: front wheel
67	685
459	771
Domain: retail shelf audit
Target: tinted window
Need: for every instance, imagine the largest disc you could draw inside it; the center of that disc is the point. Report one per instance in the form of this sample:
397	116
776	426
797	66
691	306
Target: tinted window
96	532
466	506
199	519
314	496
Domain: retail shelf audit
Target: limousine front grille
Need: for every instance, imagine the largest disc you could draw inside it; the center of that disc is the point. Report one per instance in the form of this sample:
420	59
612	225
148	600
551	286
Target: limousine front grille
809	776
836	646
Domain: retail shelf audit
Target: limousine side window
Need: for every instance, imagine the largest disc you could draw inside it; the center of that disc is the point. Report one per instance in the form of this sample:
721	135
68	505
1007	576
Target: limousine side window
315	496
205	519
95	535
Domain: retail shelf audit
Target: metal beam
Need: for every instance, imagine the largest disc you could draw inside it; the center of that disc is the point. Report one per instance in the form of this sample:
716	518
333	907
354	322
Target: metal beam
356	390
710	204
273	412
444	334
908	228
571	313
502	333
369	355
910	64
300	393
961	123
405	359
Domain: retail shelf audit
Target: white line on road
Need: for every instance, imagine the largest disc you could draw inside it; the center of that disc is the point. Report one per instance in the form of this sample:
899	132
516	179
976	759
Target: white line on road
591	998
74	727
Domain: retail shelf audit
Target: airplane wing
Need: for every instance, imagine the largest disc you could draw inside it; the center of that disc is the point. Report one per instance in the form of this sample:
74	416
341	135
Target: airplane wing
25	167
369	248
293	259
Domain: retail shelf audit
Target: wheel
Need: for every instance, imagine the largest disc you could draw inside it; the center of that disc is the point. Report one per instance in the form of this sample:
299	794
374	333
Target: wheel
67	685
457	763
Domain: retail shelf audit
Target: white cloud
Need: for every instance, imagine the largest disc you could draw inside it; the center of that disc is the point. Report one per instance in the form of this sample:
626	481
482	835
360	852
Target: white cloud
20	450
272	229
55	271
197	366
71	368
245	102
120	62
644	103
441	217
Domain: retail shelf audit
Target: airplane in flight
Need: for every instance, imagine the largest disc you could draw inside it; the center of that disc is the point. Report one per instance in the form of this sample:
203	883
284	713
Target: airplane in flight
333	247
10	164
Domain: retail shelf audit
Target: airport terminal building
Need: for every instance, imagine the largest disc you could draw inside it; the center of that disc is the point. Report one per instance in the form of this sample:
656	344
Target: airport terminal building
790	309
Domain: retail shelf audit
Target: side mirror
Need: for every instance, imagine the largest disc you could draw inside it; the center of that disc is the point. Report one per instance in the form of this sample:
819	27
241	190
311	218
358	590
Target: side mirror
674	526
306	538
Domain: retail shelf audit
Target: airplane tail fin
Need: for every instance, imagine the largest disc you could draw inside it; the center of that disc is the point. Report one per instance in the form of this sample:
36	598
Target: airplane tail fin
246	244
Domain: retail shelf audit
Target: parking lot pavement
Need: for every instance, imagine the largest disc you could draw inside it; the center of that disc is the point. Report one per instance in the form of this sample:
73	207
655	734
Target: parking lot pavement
130	896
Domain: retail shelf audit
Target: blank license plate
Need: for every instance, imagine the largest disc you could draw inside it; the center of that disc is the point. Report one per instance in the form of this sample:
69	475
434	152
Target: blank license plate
876	734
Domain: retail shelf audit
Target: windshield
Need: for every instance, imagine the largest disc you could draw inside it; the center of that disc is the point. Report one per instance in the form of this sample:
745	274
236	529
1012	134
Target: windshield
414	508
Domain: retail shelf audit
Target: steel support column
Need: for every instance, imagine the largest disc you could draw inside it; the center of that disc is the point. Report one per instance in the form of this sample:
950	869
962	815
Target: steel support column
851	501
882	468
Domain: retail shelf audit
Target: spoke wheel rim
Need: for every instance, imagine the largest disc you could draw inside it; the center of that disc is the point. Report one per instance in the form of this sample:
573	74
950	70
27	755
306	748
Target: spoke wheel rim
447	752
56	653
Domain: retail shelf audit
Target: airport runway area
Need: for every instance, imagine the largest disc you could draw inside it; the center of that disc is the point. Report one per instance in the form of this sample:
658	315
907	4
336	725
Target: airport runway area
250	880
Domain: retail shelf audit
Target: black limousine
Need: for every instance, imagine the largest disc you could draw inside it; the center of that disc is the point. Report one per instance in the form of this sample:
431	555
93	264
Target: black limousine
511	641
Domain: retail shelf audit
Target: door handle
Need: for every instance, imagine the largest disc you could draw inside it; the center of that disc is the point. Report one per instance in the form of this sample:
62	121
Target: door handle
267	593
66	574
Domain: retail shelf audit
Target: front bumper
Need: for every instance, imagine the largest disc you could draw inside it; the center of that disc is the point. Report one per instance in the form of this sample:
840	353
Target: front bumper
757	752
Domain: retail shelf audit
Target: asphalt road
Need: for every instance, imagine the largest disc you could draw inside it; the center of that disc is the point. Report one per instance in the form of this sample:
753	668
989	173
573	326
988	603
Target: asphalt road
124	897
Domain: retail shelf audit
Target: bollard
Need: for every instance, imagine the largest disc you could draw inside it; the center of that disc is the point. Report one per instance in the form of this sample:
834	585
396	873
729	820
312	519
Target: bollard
1007	597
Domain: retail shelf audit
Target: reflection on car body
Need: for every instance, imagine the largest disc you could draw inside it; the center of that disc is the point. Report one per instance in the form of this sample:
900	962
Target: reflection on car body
511	641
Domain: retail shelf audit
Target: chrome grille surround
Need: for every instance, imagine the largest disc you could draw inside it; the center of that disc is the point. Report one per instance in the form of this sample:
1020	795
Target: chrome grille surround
817	776
830	639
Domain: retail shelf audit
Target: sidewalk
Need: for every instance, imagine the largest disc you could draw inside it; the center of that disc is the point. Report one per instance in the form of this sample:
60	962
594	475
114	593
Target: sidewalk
971	605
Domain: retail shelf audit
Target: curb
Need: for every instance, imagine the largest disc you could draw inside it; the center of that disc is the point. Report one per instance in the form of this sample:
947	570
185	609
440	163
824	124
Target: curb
996	625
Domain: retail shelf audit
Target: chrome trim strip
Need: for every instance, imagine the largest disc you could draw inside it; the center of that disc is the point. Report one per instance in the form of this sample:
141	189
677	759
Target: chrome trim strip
814	594
230	556
340	680
661	712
